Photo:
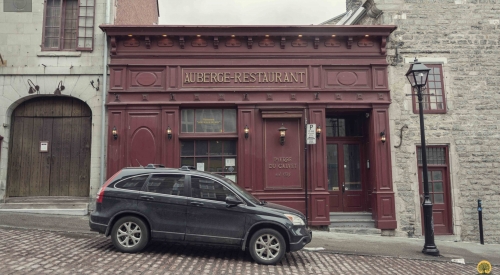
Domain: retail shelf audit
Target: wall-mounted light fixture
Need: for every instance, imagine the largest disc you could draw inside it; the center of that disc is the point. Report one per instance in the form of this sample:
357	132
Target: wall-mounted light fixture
169	132
33	88
382	136
246	131
282	130
114	132
318	131
60	87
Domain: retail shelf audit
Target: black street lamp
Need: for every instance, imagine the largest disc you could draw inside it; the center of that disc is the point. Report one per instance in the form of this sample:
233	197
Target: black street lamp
417	75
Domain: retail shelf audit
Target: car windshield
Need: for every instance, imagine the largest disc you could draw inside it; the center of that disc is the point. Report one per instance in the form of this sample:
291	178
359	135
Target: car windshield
243	192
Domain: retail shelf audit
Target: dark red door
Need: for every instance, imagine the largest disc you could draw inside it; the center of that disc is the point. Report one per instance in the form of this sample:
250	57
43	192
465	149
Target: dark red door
439	188
345	176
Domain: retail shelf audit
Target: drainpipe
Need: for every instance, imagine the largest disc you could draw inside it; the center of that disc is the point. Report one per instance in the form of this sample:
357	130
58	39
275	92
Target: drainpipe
104	93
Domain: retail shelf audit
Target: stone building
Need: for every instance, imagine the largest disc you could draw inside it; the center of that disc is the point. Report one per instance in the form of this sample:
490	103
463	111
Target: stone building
458	40
52	77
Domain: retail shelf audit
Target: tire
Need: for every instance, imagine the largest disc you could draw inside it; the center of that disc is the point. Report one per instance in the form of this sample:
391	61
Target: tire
267	246
130	234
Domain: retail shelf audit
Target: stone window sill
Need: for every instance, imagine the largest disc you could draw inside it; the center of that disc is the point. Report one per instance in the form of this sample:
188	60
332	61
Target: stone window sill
59	54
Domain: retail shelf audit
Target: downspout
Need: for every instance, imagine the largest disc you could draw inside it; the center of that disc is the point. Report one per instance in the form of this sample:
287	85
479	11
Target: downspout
104	93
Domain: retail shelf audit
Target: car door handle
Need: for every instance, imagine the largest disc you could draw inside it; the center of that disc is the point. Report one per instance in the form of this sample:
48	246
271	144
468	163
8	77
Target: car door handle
196	203
148	198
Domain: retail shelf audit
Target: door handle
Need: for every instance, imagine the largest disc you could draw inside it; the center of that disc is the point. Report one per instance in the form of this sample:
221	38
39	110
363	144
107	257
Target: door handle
196	203
343	187
148	198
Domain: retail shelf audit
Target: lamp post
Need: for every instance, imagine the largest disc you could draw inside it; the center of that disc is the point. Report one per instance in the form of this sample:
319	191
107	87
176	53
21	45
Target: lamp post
417	76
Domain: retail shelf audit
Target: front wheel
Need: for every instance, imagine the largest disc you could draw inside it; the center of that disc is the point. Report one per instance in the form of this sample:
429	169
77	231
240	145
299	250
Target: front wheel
267	246
130	234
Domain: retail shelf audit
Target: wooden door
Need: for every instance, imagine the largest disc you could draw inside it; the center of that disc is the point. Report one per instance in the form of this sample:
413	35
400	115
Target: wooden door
345	176
64	124
144	138
439	188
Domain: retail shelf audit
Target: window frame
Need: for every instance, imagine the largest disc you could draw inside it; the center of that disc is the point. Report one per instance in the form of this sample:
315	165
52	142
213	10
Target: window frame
443	95
61	28
190	194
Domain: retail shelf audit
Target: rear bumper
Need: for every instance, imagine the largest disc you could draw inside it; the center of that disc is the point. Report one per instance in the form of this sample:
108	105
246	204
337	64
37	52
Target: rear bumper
303	240
101	228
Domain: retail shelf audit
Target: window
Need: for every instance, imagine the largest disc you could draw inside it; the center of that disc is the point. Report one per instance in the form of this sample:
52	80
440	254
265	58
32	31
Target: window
134	183
166	184
209	189
218	156
68	25
433	100
344	127
208	121
436	164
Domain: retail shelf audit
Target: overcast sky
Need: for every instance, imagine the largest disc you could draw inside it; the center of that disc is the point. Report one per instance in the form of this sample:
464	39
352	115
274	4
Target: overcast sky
248	12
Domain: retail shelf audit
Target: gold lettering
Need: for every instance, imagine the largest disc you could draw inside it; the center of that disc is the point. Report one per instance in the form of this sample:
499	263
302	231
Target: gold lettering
206	77
213	77
271	77
245	77
293	77
227	77
301	74
237	77
220	77
265	78
260	79
278	77
186	79
252	76
287	80
199	77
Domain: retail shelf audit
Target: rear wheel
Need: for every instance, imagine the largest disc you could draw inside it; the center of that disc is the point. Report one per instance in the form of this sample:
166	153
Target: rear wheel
267	246
130	234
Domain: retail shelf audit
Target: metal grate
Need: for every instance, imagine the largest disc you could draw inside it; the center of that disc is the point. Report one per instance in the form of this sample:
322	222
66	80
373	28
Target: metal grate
435	155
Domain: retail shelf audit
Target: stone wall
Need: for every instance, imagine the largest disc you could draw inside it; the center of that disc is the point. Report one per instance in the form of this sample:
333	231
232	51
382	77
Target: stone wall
20	40
464	36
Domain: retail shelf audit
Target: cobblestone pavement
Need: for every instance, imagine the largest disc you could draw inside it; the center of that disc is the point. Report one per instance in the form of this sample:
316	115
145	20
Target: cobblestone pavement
46	252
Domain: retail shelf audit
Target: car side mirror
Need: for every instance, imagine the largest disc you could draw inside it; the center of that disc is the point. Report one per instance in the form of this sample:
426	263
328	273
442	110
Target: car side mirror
232	201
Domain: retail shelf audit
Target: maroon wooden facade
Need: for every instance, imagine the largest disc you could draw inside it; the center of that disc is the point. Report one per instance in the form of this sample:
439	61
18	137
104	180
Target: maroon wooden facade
272	76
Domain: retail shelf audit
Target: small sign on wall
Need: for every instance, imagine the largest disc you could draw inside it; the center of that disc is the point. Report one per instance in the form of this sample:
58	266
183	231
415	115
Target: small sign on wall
44	146
17	5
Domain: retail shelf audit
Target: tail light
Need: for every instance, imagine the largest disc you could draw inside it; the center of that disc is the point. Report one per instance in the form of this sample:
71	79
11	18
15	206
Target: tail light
100	193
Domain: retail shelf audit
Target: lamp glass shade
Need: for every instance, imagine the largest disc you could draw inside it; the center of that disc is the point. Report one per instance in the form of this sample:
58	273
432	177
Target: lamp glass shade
417	74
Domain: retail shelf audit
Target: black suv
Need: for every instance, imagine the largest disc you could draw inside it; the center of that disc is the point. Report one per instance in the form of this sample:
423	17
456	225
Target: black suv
185	205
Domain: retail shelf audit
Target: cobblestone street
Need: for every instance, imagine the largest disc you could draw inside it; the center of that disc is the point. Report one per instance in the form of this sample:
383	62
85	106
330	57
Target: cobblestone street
46	252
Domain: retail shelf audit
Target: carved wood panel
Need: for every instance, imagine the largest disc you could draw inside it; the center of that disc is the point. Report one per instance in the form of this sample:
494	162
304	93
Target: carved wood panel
146	78
359	78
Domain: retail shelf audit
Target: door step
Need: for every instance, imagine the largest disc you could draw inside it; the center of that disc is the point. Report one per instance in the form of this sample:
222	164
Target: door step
356	230
348	220
76	206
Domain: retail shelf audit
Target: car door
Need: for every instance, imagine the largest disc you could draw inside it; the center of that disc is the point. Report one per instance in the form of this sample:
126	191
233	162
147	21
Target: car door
209	219
163	200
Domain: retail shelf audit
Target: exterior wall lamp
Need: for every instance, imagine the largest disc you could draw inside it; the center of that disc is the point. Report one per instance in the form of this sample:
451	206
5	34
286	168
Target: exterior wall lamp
246	131
114	132
382	136
60	87
33	88
282	130
417	76
318	131
169	132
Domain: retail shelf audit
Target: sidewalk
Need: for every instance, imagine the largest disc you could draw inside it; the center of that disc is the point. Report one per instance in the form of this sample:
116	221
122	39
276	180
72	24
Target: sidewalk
339	243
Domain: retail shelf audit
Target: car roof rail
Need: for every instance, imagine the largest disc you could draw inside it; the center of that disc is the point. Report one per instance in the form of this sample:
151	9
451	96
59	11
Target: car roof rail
187	168
155	165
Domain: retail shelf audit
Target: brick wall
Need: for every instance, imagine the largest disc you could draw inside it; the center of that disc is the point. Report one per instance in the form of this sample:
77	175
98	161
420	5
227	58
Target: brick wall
20	40
464	34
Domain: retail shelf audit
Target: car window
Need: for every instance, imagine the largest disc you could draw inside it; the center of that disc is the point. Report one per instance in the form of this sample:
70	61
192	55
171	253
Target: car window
133	183
204	188
169	184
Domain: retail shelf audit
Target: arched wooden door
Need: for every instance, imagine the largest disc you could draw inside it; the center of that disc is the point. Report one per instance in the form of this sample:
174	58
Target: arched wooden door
50	148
